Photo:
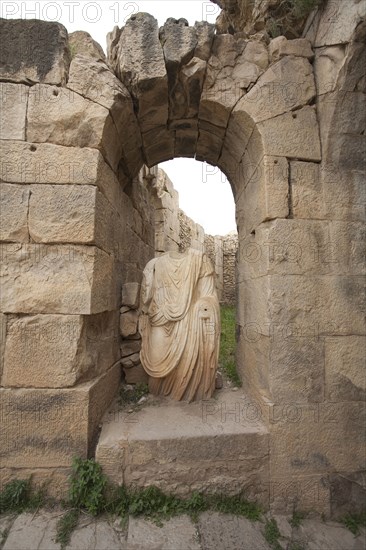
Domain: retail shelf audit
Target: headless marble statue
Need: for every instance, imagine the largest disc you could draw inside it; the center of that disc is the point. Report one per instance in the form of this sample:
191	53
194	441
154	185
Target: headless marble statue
180	325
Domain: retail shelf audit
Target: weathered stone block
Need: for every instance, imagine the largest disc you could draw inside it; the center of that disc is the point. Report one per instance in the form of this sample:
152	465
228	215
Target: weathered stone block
13	105
128	323
14	204
94	80
136	55
345	368
55	351
293	135
61	116
280	46
33	51
129	347
131	295
286	85
136	375
308	247
70	214
81	42
56	279
265	196
3	322
45	428
318	305
305	439
337	22
321	192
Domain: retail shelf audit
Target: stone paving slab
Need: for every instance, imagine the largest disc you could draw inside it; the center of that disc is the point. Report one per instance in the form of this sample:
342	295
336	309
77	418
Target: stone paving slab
230	533
213	531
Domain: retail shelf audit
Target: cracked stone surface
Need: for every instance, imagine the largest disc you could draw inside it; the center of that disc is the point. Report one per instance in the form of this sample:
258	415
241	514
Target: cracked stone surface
213	531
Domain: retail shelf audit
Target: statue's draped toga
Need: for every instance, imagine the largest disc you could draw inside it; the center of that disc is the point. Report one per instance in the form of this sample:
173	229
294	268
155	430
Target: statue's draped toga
180	325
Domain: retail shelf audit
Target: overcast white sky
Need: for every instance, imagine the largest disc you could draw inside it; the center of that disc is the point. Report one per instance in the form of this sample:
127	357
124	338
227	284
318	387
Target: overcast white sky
204	192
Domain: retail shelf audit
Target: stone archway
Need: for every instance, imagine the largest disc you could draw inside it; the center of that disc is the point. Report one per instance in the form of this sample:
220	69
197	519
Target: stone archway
77	136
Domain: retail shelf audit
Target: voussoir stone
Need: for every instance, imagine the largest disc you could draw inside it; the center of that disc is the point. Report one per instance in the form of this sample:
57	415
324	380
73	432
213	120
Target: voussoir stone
33	51
81	42
136	55
286	85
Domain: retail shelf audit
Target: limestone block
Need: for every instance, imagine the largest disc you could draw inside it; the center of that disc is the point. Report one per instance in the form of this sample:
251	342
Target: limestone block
205	34
178	533
296	368
328	63
208	147
70	213
128	323
325	191
265	196
94	80
56	480
232	531
342	127
129	347
131	295
158	145
14	204
239	131
305	439
185	143
179	42
46	428
38	278
280	46
304	247
338	21
13	106
191	77
55	351
345	368
3	322
256	52
131	361
326	305
33	51
80	42
293	134
61	116
286	85
253	360
137	57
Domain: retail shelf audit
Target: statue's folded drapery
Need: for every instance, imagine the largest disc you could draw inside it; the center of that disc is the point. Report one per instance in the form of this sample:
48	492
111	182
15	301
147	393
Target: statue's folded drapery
180	325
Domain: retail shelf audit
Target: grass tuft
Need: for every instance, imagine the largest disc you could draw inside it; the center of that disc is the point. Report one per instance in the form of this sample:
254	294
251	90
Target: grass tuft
228	345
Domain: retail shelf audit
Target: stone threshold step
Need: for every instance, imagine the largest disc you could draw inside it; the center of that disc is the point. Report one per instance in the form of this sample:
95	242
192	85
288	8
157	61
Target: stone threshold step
218	445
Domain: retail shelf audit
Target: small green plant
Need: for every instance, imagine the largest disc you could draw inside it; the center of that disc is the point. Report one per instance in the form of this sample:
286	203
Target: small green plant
66	526
272	534
296	546
228	344
129	396
236	504
353	522
87	486
284	17
297	518
19	496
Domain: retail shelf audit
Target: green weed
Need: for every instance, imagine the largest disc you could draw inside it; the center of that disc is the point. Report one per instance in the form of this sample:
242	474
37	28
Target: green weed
296	519
228	345
272	534
353	522
19	496
127	396
87	486
66	526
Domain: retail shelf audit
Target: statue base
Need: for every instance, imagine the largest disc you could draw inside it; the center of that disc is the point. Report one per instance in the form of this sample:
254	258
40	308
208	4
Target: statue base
220	445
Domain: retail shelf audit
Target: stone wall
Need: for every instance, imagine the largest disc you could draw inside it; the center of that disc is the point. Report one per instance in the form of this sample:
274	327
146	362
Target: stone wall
284	120
230	248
